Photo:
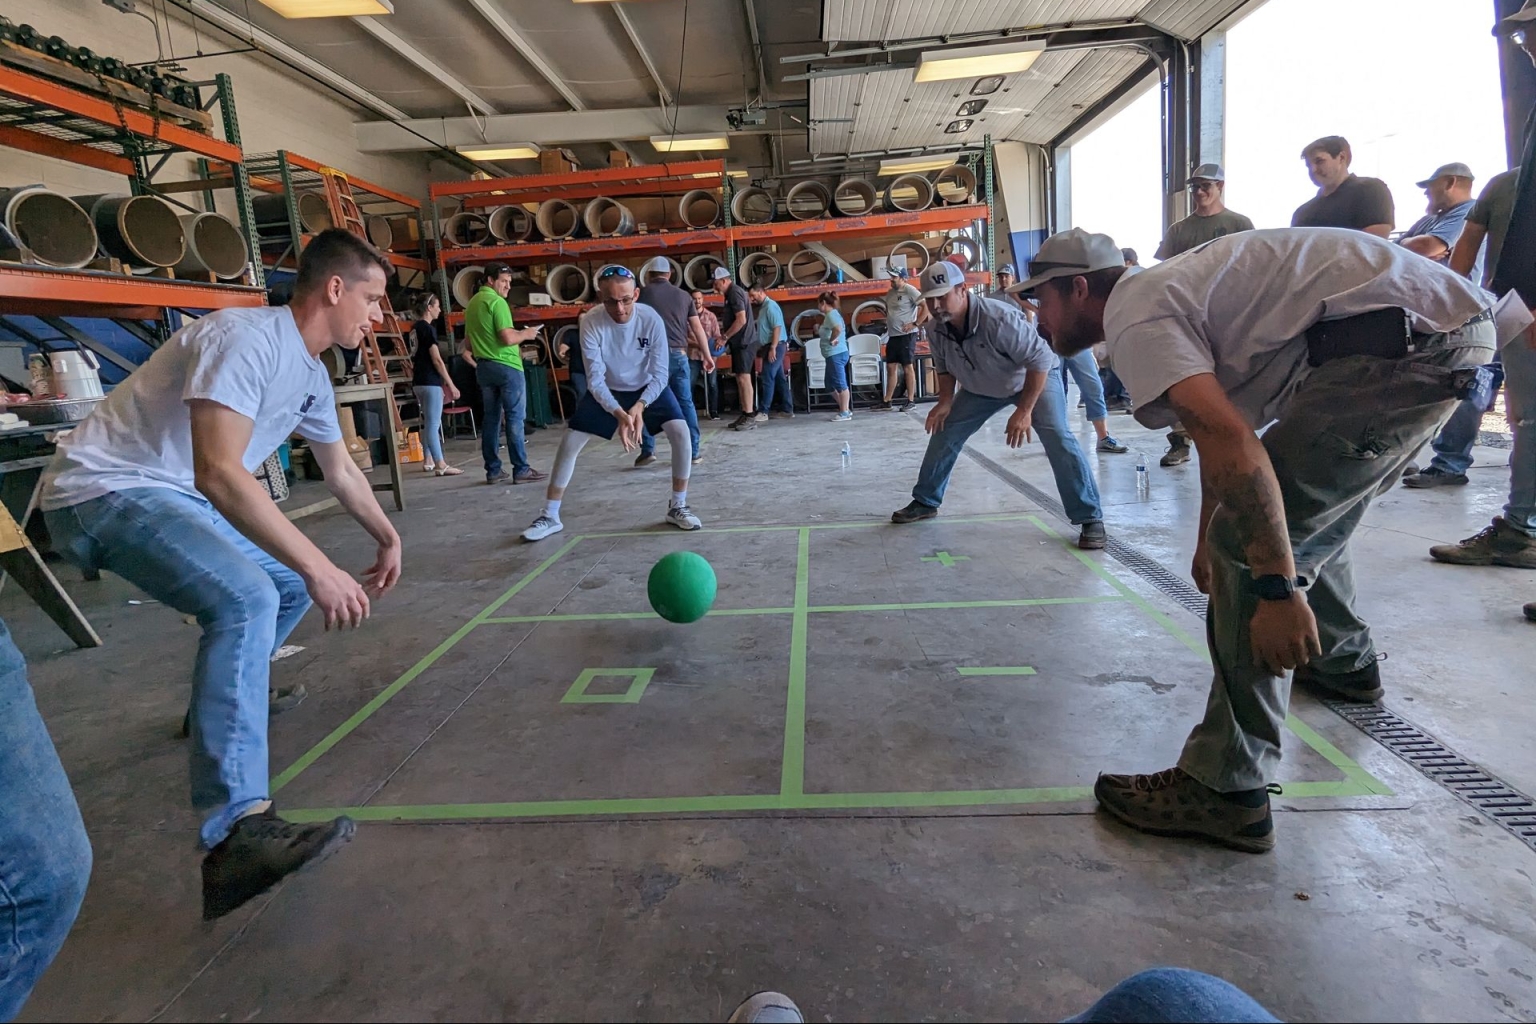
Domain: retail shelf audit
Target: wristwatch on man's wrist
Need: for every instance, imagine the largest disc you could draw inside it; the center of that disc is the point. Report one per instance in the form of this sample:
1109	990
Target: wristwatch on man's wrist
1273	587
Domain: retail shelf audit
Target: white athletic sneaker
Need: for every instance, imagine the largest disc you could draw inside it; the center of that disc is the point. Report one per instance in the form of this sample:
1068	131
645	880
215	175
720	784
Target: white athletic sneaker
682	517
543	527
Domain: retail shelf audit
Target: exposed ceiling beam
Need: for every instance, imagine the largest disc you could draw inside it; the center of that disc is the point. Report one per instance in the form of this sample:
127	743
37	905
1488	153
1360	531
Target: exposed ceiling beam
757	47
662	92
275	47
546	129
376	28
514	35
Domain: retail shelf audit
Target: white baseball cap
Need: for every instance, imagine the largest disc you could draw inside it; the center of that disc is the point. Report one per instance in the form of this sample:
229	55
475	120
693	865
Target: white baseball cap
1070	254
940	278
657	265
720	274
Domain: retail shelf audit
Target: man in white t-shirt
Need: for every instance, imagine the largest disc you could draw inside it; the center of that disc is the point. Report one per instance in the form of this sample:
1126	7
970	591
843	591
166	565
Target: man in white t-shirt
1352	351
156	487
905	314
625	348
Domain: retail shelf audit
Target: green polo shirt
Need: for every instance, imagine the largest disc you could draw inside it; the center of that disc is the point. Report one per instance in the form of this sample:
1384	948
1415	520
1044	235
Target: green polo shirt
486	314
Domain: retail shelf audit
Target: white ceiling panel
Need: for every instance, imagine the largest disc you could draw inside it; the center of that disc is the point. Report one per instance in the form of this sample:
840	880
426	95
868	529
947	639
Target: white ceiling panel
1090	80
873	20
1189	19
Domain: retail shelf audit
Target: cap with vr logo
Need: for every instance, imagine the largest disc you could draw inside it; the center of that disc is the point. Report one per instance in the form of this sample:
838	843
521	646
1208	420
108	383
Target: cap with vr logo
941	278
1070	254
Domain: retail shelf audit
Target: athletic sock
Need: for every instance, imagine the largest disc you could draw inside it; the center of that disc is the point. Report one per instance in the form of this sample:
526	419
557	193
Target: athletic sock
679	498
552	509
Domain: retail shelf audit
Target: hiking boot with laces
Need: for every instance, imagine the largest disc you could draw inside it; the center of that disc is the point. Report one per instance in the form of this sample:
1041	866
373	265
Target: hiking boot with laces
1172	803
914	511
260	851
1498	544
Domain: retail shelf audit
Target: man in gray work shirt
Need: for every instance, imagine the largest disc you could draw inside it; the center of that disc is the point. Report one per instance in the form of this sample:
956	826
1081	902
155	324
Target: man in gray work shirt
988	358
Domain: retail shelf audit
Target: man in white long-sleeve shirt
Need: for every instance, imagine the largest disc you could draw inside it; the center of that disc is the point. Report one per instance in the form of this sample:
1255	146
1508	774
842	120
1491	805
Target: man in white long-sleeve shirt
625	348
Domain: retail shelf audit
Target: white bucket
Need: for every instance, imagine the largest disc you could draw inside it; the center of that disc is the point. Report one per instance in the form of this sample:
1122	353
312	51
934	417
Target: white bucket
75	374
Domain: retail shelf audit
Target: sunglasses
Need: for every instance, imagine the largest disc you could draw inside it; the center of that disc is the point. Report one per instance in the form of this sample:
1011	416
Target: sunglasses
616	272
1202	186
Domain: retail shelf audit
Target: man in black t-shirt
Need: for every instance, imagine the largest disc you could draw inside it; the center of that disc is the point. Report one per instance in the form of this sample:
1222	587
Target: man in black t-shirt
741	337
1343	200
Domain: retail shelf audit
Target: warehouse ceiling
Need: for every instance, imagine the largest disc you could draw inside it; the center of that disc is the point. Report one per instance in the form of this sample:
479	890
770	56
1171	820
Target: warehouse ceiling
646	67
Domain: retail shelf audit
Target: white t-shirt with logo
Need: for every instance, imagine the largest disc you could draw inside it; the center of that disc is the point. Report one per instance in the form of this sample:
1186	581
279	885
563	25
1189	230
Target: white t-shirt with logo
251	360
631	356
1239	307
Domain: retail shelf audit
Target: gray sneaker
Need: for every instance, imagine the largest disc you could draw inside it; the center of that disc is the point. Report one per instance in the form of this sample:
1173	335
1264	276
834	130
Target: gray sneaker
1092	537
1172	803
1176	455
1498	544
1433	477
261	851
767	1008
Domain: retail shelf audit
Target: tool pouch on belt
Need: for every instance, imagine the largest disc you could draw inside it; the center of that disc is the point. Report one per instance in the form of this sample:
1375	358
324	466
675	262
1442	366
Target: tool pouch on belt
1383	333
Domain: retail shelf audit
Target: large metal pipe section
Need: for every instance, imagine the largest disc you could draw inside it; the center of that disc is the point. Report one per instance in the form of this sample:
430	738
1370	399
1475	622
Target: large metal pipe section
808	267
380	232
909	193
699	208
511	223
607	218
141	230
568	284
954	185
761	268
558	219
961	245
697	271
466	229
569	336
910	248
465	283
808	200
876	306
855	197
272	213
752	205
814	315
215	245
52	227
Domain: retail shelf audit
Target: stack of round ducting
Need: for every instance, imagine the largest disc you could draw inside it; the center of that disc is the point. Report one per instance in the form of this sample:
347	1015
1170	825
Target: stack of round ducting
699	209
808	200
215	245
379	231
855	197
814	316
511	223
698	273
909	193
271	212
465	283
558	220
954	185
808	267
759	268
752	205
607	218
570	336
568	284
959	244
52	227
466	229
140	230
910	248
876	306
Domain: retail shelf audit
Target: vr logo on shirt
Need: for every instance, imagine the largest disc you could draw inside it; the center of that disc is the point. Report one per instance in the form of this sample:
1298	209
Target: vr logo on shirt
309	400
644	341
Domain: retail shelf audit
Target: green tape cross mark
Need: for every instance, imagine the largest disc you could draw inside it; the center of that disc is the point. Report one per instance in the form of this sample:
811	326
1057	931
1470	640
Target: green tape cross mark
946	559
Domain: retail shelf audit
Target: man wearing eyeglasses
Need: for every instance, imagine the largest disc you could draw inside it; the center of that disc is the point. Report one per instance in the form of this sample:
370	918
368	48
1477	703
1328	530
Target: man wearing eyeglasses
625	348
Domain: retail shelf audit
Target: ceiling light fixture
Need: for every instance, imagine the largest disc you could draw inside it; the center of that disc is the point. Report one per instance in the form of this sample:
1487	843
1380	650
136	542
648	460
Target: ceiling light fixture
958	127
737	172
987	86
330	8
501	151
970	108
976	61
696	142
914	165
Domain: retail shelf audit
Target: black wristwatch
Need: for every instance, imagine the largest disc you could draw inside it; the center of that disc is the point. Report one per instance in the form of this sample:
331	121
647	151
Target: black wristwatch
1274	588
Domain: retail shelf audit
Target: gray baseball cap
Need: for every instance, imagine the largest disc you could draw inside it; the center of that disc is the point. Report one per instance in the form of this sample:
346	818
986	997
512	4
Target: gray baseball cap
1069	254
1208	172
1453	170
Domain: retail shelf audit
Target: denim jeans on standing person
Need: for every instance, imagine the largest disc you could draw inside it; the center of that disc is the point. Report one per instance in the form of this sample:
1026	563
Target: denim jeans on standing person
45	857
1074	481
1114	387
1085	370
430	398
1453	445
504	393
776	382
180	551
680	383
1520	399
1168	995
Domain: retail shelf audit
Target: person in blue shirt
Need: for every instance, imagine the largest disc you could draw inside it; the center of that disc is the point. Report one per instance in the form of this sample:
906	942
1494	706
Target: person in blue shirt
773	342
834	349
1433	236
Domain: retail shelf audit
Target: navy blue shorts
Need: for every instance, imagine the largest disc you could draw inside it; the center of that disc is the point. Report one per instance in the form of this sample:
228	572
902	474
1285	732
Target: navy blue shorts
591	418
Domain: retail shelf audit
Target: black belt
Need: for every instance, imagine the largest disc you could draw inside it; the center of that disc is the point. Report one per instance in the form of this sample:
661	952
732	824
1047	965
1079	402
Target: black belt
1382	333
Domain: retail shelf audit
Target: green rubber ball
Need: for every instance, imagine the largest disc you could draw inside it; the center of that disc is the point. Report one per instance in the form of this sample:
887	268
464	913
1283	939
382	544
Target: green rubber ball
681	587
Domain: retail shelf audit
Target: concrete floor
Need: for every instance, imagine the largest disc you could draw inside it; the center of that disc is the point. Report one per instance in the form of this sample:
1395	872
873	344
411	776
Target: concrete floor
810	793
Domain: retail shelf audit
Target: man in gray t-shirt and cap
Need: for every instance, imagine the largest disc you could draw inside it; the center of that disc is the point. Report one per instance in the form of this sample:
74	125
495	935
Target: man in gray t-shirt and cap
1229	339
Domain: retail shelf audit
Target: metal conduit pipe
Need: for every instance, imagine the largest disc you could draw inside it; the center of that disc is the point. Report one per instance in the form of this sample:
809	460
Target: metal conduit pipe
752	205
215	245
699	208
808	200
568	284
697	273
801	317
141	230
466	229
855	197
511	223
909	193
379	230
910	248
961	245
271	213
955	185
568	335
818	271
557	219
607	218
761	268
876	306
465	283
52	227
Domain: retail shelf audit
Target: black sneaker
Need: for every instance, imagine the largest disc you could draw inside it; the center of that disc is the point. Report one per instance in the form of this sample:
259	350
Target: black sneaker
1433	477
744	422
1173	803
884	407
497	477
645	459
1363	685
1530	611
907	406
1092	537
261	851
914	512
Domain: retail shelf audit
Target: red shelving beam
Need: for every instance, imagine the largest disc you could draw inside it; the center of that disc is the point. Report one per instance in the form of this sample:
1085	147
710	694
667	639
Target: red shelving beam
656	242
527	188
40	291
936	219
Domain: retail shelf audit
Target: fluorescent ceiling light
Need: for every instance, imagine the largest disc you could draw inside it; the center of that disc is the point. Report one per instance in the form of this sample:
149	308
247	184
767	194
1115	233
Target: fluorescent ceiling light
914	165
689	143
737	172
330	8
501	151
978	61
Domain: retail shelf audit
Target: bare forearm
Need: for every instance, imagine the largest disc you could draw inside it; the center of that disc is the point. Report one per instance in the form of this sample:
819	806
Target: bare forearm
355	494
241	499
1464	256
1239	477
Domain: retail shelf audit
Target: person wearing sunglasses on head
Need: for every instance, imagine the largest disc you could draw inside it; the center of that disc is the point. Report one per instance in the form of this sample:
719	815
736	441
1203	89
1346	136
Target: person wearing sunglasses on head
625	348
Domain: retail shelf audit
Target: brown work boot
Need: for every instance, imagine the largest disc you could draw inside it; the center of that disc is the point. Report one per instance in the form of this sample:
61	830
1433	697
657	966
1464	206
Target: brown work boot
1498	544
1172	803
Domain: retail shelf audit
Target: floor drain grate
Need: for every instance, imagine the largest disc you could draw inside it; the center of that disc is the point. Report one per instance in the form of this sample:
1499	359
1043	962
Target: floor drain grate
1499	802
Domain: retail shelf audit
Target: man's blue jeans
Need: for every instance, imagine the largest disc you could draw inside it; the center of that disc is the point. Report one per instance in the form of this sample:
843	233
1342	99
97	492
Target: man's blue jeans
1453	445
504	395
45	857
1074	482
680	381
776	382
1520	397
180	551
1167	995
1085	370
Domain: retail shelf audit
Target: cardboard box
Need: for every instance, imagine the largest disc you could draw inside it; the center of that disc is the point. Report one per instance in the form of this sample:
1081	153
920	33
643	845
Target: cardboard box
619	158
557	161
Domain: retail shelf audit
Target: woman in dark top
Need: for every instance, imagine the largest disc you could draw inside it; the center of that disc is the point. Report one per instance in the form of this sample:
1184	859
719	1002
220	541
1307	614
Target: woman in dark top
431	382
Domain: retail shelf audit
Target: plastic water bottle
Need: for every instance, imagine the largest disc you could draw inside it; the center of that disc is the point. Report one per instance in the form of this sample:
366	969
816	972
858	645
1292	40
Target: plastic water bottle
1143	482
847	455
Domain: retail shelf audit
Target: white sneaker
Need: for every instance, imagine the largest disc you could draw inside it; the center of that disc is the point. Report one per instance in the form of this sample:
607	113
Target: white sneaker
680	516
842	417
543	527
